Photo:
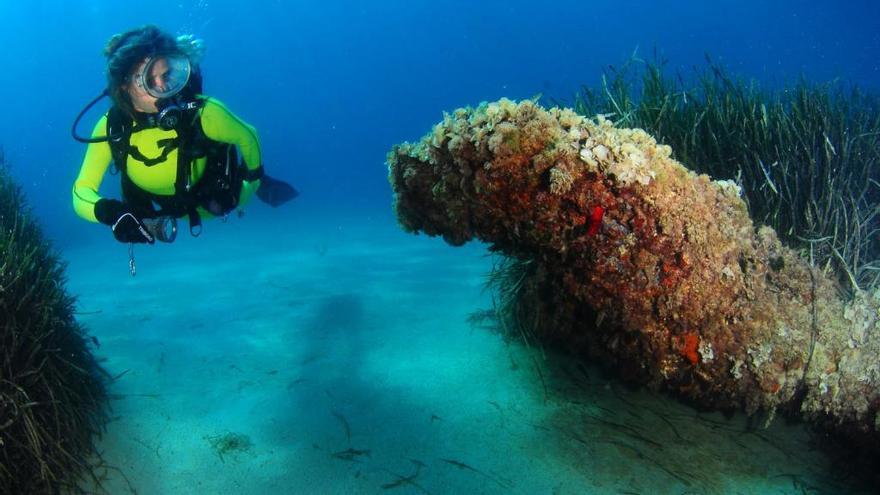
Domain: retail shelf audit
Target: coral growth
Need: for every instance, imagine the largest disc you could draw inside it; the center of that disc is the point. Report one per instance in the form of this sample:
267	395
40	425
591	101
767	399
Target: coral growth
688	294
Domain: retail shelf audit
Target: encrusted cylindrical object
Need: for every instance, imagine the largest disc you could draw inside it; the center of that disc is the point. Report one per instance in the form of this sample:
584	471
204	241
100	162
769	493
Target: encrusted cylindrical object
705	302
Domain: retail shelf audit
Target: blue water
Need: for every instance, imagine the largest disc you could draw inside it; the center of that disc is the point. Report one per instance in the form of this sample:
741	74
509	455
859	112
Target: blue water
331	86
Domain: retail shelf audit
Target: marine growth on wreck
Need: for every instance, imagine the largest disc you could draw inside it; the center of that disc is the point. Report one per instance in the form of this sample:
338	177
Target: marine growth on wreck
683	289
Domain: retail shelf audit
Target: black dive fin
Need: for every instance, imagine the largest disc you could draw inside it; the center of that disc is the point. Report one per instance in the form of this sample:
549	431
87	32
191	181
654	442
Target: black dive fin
275	192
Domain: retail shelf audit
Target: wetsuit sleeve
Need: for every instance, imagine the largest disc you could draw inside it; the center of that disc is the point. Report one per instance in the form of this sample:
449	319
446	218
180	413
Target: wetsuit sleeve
220	124
91	174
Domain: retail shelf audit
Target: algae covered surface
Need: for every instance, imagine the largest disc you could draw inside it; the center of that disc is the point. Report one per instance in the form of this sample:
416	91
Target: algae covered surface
671	282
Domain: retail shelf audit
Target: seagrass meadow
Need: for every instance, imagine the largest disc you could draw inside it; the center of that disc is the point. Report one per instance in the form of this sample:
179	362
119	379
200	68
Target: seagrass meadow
52	391
717	241
806	156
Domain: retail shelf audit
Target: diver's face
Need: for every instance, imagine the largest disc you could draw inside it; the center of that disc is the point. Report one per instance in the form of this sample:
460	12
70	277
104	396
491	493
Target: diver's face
141	100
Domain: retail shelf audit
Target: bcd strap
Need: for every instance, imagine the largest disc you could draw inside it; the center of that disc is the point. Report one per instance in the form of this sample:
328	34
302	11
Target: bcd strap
167	145
119	127
187	134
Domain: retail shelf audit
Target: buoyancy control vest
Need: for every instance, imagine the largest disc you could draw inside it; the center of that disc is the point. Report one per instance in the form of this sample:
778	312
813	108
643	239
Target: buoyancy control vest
218	189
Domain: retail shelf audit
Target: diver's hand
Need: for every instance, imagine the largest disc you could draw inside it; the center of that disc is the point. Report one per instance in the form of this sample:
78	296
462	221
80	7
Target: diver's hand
126	227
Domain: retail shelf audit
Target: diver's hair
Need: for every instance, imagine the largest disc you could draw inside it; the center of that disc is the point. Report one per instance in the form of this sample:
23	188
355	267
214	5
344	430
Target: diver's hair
125	50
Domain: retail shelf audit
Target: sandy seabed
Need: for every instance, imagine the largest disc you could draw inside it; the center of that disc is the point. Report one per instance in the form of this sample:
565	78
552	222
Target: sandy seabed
287	355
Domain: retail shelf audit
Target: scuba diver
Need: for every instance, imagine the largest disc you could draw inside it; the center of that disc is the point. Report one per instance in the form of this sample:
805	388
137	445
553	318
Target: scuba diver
178	152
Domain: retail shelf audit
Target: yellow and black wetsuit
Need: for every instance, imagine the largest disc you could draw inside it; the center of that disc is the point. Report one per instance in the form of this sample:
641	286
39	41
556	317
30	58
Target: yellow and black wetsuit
217	124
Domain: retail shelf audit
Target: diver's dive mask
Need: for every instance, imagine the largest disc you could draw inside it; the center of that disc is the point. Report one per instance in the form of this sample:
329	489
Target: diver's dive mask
163	76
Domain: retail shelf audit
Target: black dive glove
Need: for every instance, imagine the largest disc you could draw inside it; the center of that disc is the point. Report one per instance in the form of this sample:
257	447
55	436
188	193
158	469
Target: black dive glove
126	227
